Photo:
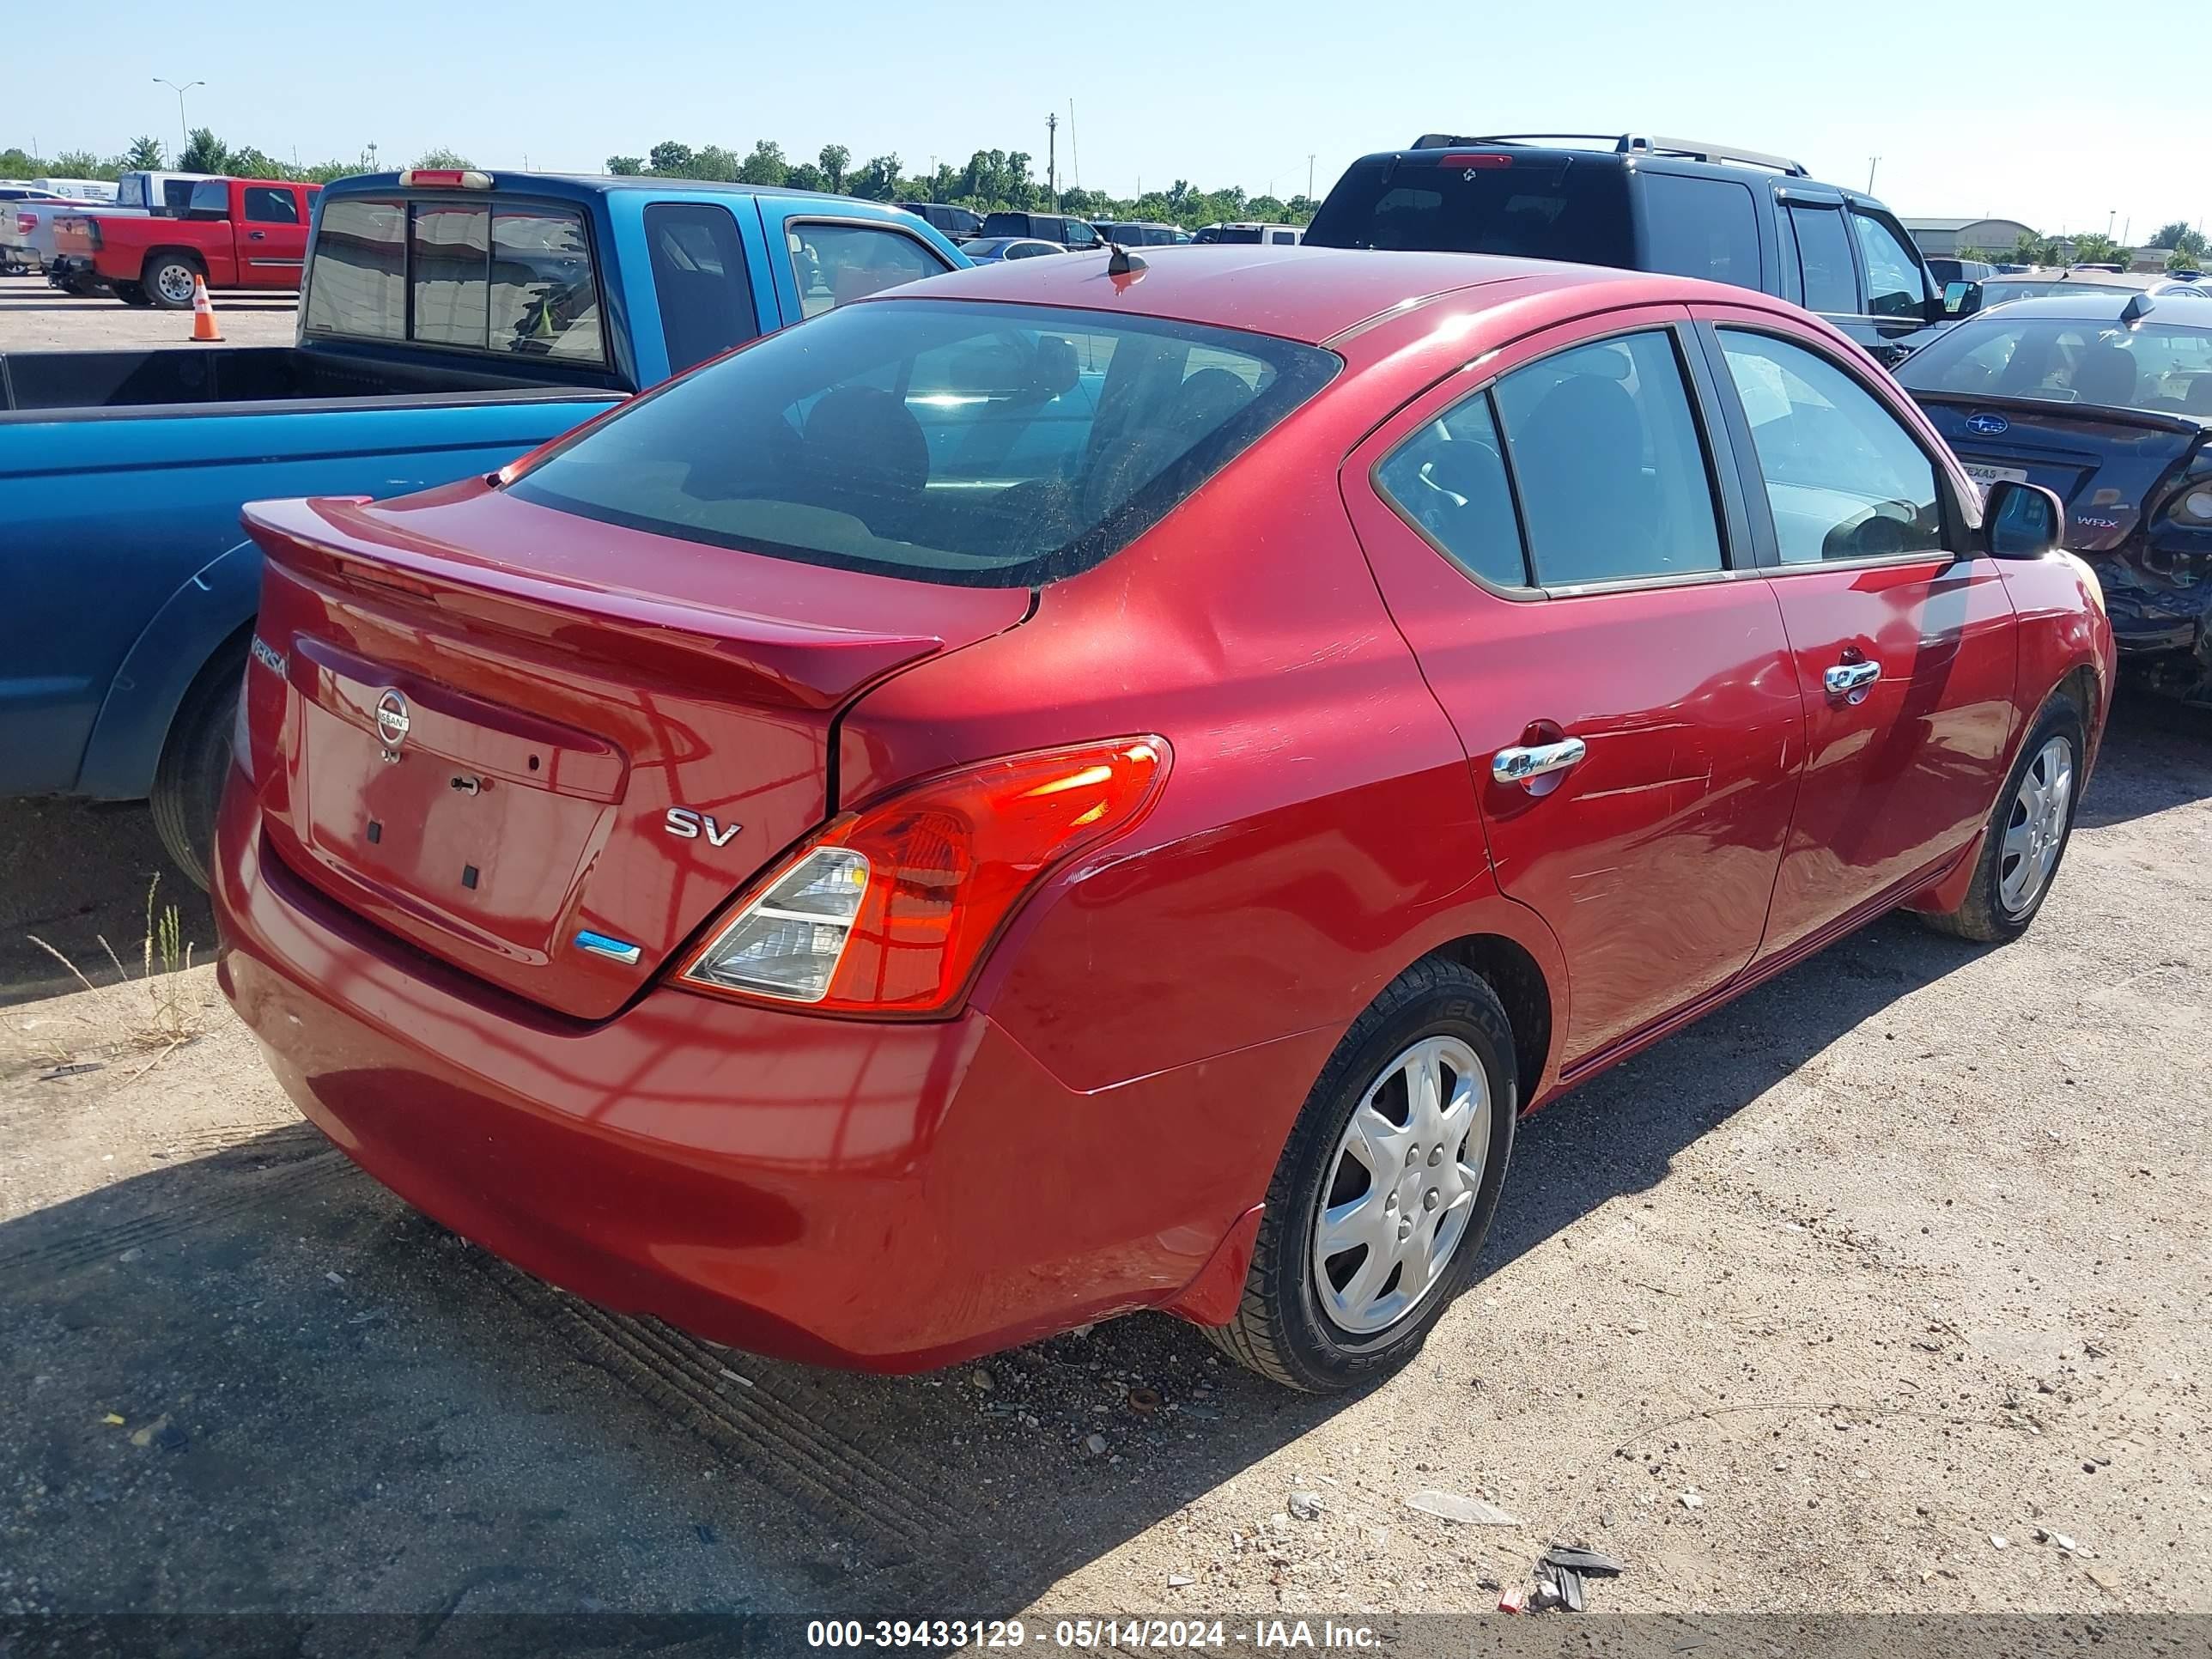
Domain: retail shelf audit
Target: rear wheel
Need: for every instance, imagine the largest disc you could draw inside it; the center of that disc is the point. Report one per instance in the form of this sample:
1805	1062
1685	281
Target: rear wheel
169	280
2027	833
132	293
1386	1189
188	781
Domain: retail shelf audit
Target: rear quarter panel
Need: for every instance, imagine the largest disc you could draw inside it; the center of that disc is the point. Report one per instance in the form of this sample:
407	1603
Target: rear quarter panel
1317	808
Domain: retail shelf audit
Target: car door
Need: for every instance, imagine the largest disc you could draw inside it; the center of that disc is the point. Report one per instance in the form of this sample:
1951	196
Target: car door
828	261
1574	573
272	236
1897	303
1819	267
1903	639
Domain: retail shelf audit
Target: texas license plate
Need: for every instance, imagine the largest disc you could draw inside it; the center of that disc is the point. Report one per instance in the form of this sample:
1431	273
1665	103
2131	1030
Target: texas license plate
1987	476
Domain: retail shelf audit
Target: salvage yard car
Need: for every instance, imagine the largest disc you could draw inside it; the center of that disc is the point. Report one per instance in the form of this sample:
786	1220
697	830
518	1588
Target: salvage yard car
1718	211
1079	786
451	321
2107	401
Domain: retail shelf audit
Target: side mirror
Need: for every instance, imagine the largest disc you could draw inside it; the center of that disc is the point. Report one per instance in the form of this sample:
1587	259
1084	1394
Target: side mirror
2020	520
1961	299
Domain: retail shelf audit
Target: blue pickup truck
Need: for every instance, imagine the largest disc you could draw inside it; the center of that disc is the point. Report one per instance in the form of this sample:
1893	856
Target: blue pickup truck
450	320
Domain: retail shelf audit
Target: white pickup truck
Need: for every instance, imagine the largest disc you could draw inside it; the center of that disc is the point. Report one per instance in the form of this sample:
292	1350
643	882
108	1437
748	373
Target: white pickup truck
27	227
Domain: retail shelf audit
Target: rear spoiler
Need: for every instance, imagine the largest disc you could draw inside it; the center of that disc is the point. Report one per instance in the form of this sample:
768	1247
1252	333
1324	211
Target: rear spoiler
769	660
2149	419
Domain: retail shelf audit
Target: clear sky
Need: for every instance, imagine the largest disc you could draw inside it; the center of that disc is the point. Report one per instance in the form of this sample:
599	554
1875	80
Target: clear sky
1972	109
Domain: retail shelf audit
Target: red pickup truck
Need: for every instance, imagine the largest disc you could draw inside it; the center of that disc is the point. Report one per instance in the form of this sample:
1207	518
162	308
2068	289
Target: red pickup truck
233	233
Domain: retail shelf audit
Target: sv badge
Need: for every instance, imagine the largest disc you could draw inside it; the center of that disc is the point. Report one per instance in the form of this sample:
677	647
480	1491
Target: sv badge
691	825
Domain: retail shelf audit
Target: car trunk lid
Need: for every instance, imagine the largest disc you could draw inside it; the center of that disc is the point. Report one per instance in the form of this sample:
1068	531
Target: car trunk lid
2104	463
547	750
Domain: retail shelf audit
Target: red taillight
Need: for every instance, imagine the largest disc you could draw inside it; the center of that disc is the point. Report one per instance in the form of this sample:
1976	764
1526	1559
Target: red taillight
1481	158
889	910
444	178
26	223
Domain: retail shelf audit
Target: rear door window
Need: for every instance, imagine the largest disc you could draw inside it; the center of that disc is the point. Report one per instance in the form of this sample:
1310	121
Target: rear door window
1706	228
1539	207
1448	479
835	264
1609	465
1894	287
1829	281
699	280
990	446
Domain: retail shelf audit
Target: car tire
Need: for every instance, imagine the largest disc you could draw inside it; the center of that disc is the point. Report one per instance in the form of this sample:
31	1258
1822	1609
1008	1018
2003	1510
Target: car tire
1295	1324
195	761
168	282
132	293
2026	836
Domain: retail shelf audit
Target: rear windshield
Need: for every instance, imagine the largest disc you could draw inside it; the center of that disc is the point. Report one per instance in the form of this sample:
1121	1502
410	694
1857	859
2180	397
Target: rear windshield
972	445
484	275
1009	224
2158	368
1540	207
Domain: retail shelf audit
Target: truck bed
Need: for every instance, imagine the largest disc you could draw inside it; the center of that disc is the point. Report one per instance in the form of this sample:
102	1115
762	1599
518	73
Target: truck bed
91	384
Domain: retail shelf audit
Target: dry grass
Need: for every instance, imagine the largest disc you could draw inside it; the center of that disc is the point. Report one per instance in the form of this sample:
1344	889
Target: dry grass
148	1011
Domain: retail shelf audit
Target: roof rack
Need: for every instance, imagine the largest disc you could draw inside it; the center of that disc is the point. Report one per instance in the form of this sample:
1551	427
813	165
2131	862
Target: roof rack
1630	143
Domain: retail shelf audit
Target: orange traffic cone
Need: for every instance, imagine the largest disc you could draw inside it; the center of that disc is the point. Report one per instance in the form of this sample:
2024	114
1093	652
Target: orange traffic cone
204	322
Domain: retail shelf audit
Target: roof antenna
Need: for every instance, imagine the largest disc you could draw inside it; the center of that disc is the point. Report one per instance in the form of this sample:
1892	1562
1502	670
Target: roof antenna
1122	262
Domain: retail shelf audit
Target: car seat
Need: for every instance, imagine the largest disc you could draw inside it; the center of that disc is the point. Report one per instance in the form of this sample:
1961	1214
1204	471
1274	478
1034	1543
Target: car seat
1592	513
2106	376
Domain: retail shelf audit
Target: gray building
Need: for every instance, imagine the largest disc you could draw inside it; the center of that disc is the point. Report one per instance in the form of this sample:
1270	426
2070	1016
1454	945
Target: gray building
1941	238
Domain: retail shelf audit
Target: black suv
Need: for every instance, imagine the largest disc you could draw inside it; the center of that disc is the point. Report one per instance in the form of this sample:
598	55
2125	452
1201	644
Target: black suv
1694	210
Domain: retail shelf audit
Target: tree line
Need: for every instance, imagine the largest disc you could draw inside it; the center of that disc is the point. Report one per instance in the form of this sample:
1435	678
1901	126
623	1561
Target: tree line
204	152
992	179
2184	249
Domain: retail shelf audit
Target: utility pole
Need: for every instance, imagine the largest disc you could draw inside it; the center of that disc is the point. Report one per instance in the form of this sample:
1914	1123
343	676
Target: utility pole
1052	154
1075	152
1310	162
184	132
1873	161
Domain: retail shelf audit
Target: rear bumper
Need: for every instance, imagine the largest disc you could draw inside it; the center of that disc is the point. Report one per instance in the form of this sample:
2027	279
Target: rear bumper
887	1196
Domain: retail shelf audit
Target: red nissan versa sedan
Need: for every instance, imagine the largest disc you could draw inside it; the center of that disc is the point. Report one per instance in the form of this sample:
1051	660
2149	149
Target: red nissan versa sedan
1062	791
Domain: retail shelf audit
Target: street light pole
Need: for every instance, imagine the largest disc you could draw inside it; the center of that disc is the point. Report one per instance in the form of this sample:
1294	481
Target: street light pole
184	132
1873	161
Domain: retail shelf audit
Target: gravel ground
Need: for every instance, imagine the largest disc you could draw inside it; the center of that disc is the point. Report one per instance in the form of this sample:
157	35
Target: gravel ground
36	317
1882	1289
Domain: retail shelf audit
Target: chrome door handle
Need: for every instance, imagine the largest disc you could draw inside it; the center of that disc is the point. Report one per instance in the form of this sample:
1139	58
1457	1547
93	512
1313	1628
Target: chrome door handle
1519	765
1846	677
